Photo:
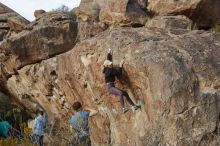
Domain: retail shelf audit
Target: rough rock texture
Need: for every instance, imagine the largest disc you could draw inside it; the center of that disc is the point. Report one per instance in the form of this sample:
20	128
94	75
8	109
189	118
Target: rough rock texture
174	76
170	22
89	9
4	102
204	13
49	35
123	12
95	16
120	12
172	72
37	13
88	29
10	22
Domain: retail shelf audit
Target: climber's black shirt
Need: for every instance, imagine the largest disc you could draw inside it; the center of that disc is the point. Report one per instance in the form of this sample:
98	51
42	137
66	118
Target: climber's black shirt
111	73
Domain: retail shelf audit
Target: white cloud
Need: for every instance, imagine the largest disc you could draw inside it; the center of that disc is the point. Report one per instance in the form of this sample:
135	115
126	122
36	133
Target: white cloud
26	8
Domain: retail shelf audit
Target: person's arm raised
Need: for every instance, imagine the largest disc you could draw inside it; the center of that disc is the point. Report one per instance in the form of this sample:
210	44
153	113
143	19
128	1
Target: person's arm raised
109	55
92	112
122	63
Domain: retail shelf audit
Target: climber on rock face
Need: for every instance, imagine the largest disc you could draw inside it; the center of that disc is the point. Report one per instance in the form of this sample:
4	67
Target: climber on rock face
110	73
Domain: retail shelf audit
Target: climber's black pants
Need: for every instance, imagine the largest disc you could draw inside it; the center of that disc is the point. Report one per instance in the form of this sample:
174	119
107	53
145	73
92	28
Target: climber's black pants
121	93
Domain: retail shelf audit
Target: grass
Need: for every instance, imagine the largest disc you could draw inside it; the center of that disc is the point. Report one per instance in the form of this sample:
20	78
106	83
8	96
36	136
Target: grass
61	135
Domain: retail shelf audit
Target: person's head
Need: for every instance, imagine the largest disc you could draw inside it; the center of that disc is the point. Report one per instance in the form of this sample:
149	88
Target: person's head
40	112
77	106
108	63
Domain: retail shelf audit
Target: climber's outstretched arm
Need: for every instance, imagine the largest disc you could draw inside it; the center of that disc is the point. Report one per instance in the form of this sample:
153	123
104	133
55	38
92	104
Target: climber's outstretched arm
122	63
109	55
92	112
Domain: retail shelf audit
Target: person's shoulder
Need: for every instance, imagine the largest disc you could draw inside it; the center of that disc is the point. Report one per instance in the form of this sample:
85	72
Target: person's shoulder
73	116
84	113
6	123
43	119
38	118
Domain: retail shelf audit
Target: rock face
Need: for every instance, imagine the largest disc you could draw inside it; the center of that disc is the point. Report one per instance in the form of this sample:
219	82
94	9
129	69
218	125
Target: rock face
89	10
124	12
4	102
170	22
204	13
172	72
49	35
175	77
120	12
10	22
88	29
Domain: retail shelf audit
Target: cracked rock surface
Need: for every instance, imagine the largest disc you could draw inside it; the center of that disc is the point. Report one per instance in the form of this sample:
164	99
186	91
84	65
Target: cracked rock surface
175	78
171	71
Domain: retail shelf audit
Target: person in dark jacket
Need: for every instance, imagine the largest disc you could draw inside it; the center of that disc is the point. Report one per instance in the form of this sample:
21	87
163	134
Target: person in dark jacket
111	73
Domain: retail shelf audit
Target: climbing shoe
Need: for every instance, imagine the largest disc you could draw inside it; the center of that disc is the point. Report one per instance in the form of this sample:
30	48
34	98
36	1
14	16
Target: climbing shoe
135	107
124	110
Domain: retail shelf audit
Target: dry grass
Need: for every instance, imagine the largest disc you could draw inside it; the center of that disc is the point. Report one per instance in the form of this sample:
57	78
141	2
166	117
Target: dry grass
57	134
216	28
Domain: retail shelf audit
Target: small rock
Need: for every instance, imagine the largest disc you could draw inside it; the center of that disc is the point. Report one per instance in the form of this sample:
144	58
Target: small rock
37	13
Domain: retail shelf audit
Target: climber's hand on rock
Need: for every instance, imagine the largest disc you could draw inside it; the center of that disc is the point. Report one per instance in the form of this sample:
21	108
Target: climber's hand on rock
110	50
92	112
122	63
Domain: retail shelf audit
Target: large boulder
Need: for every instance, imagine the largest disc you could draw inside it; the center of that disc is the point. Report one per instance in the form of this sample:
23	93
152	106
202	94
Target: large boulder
170	22
122	12
37	13
204	13
89	10
175	78
172	72
51	34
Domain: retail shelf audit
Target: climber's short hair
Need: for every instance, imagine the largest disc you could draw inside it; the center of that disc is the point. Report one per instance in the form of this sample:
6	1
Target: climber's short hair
40	112
76	105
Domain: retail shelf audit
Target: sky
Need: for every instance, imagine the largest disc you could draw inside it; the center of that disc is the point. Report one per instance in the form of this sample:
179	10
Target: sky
26	8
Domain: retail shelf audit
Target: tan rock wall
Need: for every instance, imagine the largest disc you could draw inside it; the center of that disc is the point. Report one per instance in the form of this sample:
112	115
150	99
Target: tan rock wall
174	77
